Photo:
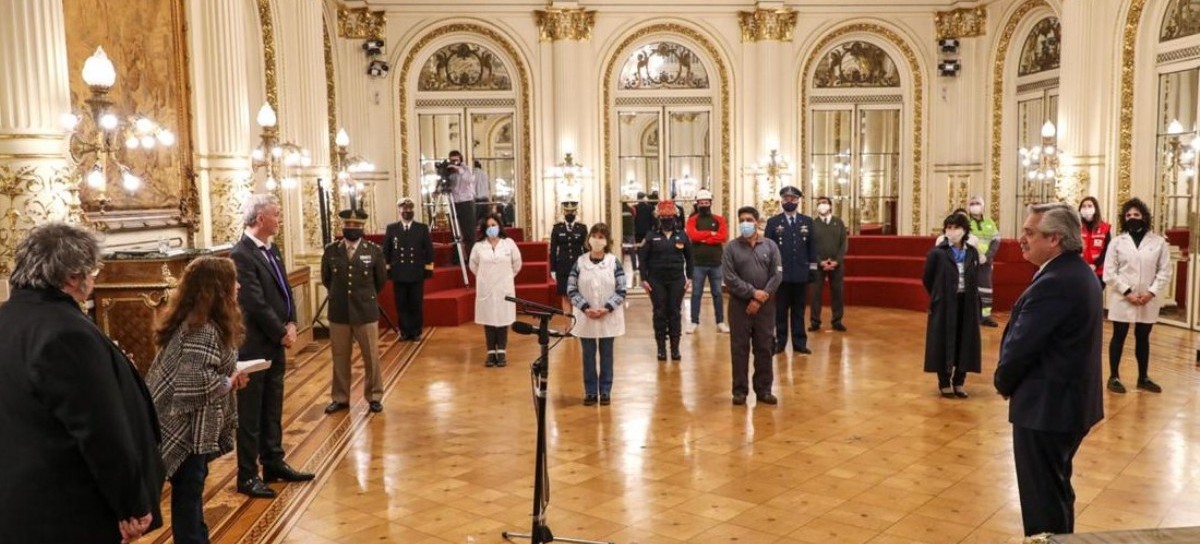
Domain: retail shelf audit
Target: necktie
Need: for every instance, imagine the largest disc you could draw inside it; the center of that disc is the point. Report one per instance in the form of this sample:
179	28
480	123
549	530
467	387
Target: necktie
279	279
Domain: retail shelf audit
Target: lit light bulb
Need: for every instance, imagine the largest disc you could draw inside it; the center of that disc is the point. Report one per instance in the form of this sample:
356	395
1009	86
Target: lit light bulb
305	160
108	121
1048	130
342	138
130	182
1031	175
98	71
1175	127
148	142
143	125
1048	150
1050	173
289	183
343	175
257	154
277	152
266	116
95	178
132	142
69	121
166	138
271	184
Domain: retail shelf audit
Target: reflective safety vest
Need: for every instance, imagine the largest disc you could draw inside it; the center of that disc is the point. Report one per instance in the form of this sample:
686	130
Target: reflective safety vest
986	231
1093	245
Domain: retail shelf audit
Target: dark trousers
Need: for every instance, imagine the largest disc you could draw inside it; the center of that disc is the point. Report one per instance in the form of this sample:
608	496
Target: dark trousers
187	501
755	332
953	375
467	227
985	288
260	419
666	296
790	301
836	279
1141	348
496	338
1044	468
597	383
410	296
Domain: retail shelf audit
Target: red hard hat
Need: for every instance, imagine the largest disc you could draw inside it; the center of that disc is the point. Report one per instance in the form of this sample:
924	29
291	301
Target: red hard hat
665	208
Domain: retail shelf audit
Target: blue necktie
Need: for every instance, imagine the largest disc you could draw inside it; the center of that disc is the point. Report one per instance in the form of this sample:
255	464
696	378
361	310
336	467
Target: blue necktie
282	283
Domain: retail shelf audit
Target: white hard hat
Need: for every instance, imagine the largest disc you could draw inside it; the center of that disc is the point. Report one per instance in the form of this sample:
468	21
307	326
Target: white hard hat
704	194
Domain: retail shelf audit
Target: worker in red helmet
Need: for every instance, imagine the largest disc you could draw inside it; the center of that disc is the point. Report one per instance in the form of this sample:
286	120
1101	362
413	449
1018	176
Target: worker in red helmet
665	262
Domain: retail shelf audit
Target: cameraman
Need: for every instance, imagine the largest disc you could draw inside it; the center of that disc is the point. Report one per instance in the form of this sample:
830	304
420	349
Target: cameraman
462	193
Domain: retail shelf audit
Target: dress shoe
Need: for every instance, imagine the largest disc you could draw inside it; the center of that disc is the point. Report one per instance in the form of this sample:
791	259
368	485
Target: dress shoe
804	351
605	399
739	400
690	328
284	473
662	353
814	328
1115	385
376	406
675	355
501	359
255	488
947	393
722	327
1147	385
839	327
780	349
336	406
767	398
589	400
960	392
989	322
491	360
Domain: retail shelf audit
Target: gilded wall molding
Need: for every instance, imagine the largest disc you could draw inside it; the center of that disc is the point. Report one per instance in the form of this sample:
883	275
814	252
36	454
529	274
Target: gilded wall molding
565	24
917	112
1128	63
32	195
267	24
524	110
361	23
961	23
610	83
998	98
332	122
767	24
228	195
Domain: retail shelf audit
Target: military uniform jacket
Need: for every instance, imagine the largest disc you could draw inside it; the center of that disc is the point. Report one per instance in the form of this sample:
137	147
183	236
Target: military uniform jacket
797	247
408	254
566	245
353	282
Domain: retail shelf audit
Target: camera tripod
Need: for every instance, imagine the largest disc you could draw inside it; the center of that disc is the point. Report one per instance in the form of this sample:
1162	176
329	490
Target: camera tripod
443	197
391	326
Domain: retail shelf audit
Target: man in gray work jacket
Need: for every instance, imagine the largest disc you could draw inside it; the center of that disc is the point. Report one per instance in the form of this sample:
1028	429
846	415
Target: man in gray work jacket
753	270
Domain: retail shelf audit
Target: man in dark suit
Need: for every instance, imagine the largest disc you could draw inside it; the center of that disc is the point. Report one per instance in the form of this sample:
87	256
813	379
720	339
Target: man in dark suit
354	270
408	251
269	312
793	232
1049	367
80	459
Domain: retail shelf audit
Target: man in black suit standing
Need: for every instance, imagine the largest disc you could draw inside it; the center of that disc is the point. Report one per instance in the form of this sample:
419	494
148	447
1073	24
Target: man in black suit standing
1049	367
269	311
408	252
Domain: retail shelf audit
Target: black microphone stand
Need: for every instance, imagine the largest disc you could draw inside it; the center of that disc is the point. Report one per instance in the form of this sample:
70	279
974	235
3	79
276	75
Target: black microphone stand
540	371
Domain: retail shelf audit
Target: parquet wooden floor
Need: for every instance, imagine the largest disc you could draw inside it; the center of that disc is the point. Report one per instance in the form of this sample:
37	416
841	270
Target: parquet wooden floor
860	448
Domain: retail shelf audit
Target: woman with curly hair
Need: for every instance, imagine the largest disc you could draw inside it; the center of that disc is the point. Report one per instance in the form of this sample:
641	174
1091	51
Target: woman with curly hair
191	382
1137	268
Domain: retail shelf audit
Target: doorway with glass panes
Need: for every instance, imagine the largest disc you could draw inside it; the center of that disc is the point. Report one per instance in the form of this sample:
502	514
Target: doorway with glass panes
855	161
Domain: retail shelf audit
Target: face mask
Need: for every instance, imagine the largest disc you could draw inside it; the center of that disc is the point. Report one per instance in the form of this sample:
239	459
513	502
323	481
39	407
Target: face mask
1135	225
746	229
975	209
667	223
704	210
569	217
954	235
1087	213
790	206
598	243
493	231
352	234
823	208
407	216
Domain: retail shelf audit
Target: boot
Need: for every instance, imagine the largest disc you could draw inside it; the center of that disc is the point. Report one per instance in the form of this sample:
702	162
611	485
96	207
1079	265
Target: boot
501	358
491	359
675	355
662	348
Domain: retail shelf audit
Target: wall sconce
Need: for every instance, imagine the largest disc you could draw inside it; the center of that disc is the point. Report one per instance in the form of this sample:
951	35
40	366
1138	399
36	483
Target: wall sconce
1180	159
349	165
771	176
568	179
277	159
1041	164
99	140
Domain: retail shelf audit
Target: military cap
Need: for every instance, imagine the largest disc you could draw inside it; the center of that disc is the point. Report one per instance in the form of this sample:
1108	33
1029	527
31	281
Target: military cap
358	216
790	190
570	205
405	202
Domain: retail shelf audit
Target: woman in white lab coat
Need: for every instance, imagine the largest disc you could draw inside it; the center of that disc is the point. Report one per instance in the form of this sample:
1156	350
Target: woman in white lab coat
596	288
495	261
1137	268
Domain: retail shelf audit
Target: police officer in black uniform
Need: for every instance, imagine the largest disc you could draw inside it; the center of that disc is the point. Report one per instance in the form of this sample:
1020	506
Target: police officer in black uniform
792	231
353	270
567	240
666	265
408	250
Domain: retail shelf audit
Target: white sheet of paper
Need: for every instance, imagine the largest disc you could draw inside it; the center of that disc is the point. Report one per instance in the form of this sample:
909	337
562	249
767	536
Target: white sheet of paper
253	365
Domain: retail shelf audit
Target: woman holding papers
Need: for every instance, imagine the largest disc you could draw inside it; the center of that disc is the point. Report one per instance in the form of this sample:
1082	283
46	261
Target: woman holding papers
191	382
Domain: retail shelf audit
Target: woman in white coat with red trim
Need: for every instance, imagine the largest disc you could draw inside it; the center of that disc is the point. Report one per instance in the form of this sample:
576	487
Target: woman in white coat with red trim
495	260
1137	268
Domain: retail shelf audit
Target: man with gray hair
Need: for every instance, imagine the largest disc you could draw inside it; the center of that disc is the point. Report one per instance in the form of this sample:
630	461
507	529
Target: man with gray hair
269	312
79	428
1049	367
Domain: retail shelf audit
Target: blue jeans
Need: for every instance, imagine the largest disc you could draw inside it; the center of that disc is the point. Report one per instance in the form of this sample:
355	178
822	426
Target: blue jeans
187	501
713	274
590	386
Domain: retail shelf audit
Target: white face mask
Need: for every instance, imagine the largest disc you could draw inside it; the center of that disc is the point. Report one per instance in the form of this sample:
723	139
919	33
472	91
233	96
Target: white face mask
975	209
954	235
1088	213
597	243
824	208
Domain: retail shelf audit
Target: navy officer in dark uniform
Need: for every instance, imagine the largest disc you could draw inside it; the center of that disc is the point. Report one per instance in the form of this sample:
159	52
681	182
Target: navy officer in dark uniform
567	240
408	251
665	260
792	231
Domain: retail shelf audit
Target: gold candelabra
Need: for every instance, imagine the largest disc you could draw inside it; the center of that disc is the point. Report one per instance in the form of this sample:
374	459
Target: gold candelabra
278	160
568	178
347	166
771	175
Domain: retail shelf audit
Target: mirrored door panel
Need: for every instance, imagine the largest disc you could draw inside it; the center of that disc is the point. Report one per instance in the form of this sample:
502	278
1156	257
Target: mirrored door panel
855	160
491	154
1175	203
639	159
439	134
831	159
689	153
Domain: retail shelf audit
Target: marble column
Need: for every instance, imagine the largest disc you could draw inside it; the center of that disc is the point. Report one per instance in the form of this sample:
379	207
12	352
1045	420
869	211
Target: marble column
35	177
956	113
767	106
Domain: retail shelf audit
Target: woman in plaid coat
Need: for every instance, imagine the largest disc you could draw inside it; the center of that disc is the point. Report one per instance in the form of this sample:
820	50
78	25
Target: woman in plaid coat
191	382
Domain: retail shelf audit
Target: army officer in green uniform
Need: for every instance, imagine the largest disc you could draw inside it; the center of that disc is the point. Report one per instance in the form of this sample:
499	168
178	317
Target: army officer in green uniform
353	270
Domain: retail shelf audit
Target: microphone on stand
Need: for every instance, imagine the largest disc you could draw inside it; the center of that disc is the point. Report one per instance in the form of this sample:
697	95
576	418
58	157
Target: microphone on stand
536	306
521	327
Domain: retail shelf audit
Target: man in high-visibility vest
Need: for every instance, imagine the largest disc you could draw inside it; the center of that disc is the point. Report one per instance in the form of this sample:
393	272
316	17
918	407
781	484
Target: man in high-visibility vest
989	243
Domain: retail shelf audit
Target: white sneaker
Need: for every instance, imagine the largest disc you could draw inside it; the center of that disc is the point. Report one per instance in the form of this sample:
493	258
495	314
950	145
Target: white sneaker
723	327
690	328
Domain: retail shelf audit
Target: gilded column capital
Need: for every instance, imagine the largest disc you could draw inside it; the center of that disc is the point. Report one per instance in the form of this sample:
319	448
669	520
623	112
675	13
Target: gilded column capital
361	23
767	24
565	24
961	23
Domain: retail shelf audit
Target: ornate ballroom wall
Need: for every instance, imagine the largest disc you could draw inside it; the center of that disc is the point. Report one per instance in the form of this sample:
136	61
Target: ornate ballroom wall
848	96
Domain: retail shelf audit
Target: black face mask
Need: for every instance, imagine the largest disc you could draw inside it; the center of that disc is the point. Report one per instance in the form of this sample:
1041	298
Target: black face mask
790	206
667	224
704	210
352	234
569	217
1135	225
407	216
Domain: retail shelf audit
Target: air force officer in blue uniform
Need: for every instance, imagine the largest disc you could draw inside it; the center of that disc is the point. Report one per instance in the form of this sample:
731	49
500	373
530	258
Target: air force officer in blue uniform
793	233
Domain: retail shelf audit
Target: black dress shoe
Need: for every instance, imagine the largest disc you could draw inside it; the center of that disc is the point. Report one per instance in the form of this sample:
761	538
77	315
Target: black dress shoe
739	400
605	399
336	406
662	354
284	473
839	327
501	359
989	322
589	400
1147	385
675	355
804	351
780	349
376	406
767	398
814	328
255	488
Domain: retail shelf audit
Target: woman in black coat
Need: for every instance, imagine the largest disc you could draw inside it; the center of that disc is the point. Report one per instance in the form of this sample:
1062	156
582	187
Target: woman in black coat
952	345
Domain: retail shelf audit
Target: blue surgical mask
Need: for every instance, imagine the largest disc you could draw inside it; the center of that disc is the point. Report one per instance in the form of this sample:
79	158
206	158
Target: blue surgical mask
746	229
493	231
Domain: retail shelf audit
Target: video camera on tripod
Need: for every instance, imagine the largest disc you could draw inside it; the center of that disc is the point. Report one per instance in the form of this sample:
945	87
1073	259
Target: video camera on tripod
445	185
444	170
